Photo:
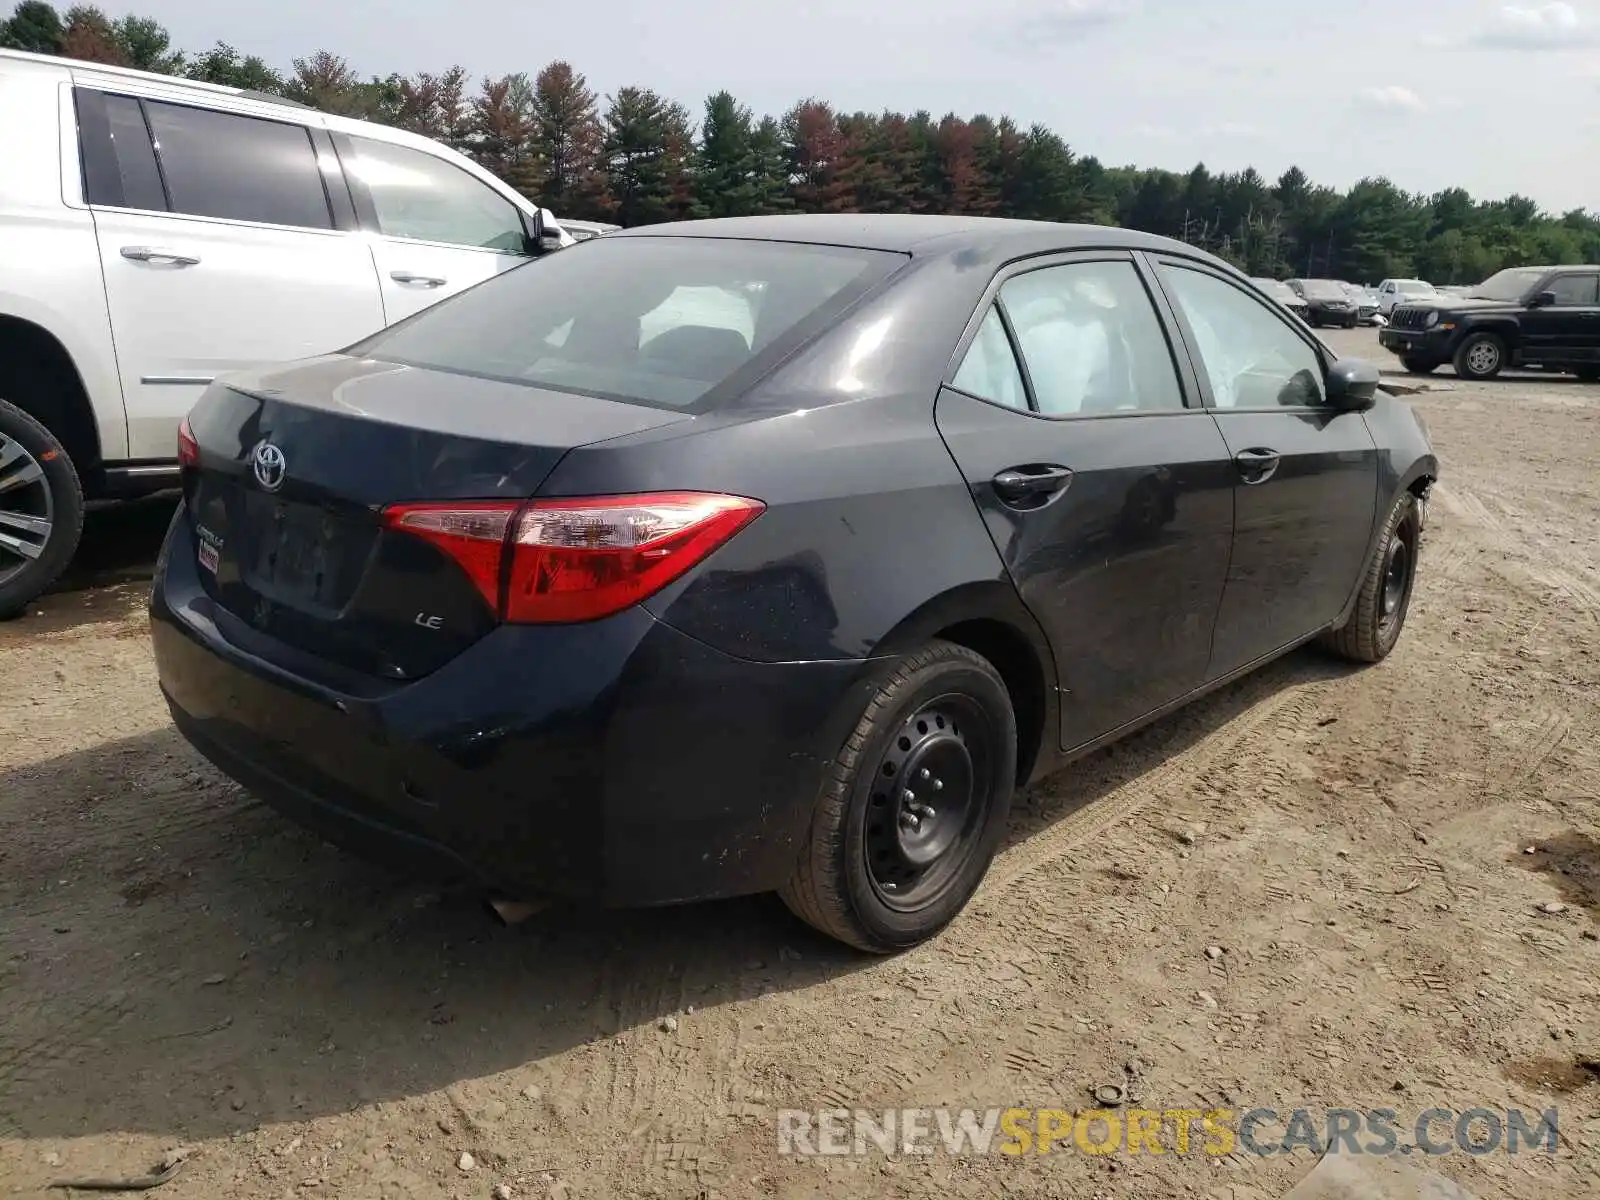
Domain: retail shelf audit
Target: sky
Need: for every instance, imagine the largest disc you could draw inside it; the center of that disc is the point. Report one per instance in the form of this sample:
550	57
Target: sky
1497	98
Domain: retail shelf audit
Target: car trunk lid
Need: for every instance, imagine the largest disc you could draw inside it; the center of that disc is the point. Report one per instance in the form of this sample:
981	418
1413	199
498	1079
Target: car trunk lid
295	467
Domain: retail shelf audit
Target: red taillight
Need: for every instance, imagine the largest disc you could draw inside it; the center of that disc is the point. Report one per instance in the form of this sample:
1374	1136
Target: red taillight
576	560
188	448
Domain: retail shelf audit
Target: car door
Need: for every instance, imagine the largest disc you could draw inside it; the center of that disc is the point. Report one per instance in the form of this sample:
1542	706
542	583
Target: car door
440	229
223	246
1306	475
1565	331
1108	496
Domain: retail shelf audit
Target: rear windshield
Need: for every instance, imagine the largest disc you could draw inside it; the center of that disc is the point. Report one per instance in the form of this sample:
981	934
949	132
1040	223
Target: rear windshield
662	321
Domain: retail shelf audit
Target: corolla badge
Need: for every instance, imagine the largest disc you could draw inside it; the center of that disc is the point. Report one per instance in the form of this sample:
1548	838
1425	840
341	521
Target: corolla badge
269	465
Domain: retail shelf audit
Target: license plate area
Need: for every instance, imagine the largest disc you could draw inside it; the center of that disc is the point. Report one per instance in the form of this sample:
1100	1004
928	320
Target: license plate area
299	555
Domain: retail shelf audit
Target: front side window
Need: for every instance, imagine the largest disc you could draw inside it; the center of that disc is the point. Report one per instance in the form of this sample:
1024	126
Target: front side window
1251	358
652	320
989	368
1509	285
417	195
238	168
1574	291
1091	340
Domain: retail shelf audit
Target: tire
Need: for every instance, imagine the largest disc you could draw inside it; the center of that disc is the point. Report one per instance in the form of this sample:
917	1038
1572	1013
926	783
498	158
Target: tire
1480	356
1419	366
1588	374
844	880
53	494
1380	614
1351	323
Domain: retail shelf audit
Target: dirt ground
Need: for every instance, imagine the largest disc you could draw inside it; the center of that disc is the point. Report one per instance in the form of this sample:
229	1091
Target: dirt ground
179	966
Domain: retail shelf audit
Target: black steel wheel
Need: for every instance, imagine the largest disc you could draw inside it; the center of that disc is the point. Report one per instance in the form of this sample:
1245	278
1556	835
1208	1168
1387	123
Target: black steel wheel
913	806
1386	586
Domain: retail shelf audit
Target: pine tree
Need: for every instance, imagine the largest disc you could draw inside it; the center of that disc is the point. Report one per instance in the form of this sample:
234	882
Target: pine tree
503	125
727	183
567	144
637	158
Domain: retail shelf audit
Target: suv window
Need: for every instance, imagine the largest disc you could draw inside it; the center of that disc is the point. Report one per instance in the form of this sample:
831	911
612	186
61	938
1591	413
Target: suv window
989	368
1252	359
135	181
654	320
1574	290
416	195
1091	340
238	168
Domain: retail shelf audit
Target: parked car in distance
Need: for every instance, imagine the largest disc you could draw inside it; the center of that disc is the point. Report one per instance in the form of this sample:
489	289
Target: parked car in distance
1397	291
1327	302
157	232
1528	318
487	592
1285	295
1366	302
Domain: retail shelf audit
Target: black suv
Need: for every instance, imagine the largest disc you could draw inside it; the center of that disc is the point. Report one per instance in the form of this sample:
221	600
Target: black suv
1534	318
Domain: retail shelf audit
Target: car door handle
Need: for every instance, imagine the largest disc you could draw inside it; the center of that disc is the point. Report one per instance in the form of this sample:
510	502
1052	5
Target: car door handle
1257	465
156	254
428	281
1033	482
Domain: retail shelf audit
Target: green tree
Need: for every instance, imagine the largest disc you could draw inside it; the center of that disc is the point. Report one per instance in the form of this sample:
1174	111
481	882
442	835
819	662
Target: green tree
222	64
147	45
35	27
728	183
641	158
567	142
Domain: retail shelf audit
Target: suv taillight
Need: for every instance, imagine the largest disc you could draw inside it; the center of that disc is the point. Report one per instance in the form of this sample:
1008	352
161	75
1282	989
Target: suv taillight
575	559
188	448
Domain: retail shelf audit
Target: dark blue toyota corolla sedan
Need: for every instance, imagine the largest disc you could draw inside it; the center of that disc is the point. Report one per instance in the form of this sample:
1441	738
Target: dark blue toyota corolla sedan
769	554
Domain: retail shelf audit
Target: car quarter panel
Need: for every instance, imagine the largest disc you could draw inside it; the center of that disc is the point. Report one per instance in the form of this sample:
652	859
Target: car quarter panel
867	519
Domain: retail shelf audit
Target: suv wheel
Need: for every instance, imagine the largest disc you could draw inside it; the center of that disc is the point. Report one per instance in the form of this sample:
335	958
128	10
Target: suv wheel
41	509
1480	356
913	805
1588	374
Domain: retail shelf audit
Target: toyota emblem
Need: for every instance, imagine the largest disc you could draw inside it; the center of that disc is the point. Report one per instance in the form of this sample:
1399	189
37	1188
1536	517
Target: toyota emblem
268	463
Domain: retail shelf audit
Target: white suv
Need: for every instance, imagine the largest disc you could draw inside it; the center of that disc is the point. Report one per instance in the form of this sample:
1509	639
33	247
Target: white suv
156	232
1400	291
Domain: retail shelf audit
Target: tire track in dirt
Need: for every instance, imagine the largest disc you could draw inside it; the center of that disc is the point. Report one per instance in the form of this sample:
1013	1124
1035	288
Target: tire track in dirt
1279	705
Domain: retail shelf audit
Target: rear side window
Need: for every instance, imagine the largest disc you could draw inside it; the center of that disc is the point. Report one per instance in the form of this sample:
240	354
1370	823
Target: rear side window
1091	340
416	195
990	368
127	177
238	168
664	321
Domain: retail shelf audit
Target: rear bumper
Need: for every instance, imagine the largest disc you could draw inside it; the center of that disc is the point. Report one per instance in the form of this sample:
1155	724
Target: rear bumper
619	761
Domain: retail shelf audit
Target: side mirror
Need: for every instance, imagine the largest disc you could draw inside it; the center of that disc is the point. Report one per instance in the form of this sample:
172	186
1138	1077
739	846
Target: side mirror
1541	299
544	238
1352	385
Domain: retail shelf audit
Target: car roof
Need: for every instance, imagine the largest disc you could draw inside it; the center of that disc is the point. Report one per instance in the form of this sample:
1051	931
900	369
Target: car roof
924	235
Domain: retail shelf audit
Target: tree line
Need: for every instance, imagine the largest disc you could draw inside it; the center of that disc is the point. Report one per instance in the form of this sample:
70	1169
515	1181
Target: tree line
639	157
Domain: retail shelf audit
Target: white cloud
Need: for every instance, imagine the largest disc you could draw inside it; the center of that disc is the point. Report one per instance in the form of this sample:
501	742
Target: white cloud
1553	26
1153	131
1392	99
1072	20
1233	129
